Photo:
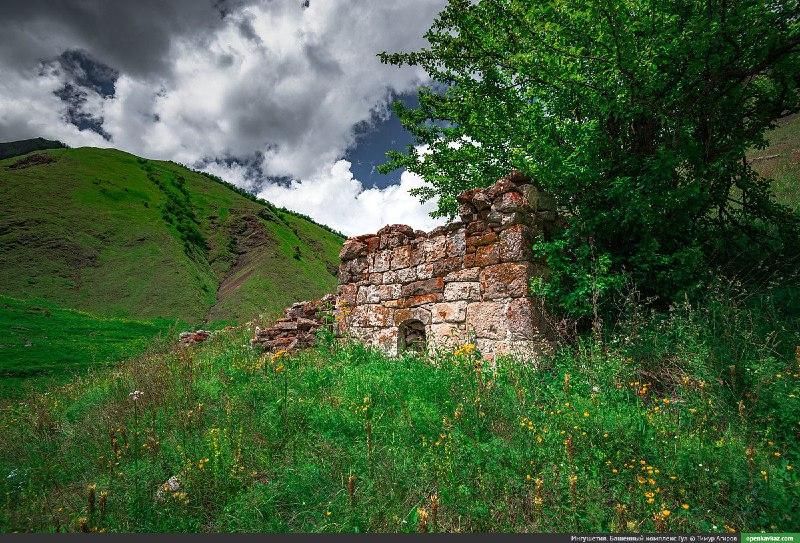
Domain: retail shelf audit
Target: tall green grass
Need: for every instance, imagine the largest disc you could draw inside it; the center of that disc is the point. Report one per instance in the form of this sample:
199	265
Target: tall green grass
679	422
41	341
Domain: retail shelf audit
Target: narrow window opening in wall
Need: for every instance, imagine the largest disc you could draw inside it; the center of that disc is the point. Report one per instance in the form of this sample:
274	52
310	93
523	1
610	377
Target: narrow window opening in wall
411	337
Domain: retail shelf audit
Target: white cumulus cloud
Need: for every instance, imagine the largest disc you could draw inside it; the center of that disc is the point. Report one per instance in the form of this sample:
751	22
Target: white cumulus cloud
334	197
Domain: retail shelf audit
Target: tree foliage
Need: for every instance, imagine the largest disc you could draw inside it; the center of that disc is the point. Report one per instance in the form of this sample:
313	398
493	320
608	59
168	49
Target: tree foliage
634	114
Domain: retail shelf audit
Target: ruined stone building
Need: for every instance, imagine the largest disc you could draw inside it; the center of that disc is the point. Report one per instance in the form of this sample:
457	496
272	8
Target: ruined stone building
466	282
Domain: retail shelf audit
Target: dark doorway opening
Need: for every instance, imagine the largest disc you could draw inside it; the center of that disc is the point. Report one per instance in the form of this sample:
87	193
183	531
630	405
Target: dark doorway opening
411	337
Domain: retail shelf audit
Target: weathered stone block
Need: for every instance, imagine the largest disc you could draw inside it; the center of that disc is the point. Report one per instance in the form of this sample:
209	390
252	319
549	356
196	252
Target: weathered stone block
487	319
395	235
434	248
503	186
464	274
447	335
421	314
476	228
537	200
509	202
424	271
486	255
481	240
420	299
446	265
468	196
389	292
373	243
372	315
346	294
521	321
404	257
449	312
386	339
513	218
381	261
508	280
424	286
351	249
469	291
515	244
456	243
368	294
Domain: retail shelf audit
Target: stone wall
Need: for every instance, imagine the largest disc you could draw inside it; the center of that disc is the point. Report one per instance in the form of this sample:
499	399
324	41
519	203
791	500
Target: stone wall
464	282
298	327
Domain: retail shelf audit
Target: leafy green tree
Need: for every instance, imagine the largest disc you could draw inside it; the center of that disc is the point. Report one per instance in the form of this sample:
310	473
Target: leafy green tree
634	114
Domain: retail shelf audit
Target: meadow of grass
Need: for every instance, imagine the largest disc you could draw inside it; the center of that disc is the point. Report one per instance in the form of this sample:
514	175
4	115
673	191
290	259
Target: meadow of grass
685	421
780	160
42	341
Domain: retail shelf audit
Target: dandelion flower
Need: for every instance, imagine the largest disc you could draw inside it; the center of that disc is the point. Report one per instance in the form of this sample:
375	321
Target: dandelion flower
685	506
665	513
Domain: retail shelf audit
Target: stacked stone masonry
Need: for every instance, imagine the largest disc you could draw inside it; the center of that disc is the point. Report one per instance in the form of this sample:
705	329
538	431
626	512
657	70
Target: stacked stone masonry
298	327
464	282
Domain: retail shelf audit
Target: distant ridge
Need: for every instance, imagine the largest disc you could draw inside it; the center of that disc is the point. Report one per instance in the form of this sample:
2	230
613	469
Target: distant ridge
21	147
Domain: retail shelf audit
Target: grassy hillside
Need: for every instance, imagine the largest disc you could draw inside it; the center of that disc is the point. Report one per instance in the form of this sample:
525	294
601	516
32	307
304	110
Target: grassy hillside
40	339
673	423
106	232
780	161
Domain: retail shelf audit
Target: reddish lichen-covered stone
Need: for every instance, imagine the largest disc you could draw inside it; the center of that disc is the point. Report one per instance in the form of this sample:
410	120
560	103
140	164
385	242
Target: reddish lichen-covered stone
421	314
515	244
486	255
501	187
462	290
351	249
425	286
346	294
510	202
420	299
487	319
449	311
372	315
508	280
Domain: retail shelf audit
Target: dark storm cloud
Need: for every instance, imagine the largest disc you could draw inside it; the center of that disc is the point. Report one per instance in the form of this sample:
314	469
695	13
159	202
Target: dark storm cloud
75	99
89	73
257	91
134	37
82	76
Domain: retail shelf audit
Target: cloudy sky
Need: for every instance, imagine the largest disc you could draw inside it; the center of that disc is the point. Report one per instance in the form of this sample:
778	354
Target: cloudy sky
283	97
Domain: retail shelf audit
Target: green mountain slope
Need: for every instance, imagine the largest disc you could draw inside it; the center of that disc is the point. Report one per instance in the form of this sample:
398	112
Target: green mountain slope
104	231
780	161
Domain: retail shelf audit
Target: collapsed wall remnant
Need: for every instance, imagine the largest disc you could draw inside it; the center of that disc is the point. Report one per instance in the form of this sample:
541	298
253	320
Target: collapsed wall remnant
468	281
298	327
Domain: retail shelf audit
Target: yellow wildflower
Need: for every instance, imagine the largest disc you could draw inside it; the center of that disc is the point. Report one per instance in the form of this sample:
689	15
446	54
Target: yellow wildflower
464	350
685	505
